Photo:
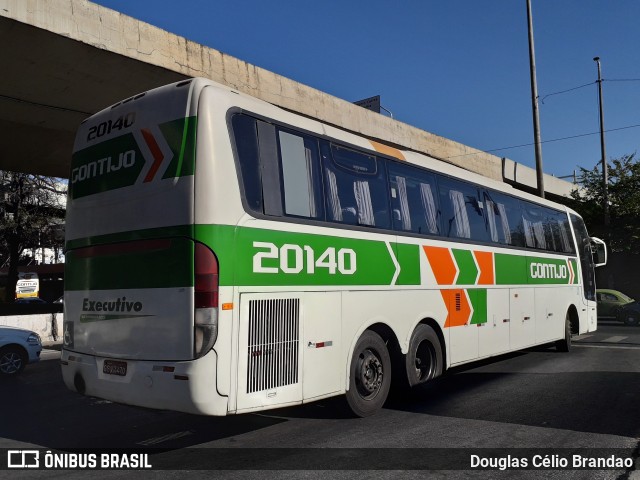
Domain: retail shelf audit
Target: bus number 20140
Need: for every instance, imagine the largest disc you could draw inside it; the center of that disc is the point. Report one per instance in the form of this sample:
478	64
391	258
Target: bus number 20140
295	258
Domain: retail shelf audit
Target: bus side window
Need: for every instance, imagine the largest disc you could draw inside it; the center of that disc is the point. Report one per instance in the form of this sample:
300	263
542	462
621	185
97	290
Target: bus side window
300	175
462	211
534	232
504	219
558	224
413	200
247	150
355	187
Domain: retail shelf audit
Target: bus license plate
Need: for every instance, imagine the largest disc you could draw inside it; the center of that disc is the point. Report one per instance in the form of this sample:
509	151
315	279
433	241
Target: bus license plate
114	367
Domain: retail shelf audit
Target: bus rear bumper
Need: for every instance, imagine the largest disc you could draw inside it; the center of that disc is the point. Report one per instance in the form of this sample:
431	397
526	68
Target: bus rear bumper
188	386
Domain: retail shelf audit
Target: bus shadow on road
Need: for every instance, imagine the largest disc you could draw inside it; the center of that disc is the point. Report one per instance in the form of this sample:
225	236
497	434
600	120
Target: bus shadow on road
38	409
603	402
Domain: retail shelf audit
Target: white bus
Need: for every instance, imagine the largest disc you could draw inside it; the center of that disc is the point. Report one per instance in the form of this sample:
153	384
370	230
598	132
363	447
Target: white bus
227	256
28	285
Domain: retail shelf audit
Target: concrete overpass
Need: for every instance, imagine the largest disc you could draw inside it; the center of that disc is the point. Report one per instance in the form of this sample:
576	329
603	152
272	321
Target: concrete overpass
66	59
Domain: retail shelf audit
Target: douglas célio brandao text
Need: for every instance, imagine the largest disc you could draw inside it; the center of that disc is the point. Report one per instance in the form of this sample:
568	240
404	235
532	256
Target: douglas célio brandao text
549	461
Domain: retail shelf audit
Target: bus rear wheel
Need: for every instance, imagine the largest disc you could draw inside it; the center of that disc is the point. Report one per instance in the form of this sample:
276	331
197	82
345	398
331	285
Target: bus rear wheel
424	359
370	375
564	345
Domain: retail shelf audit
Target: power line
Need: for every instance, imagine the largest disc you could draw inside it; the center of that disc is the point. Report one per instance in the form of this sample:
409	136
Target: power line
547	141
571	136
565	91
588	84
621	79
38	104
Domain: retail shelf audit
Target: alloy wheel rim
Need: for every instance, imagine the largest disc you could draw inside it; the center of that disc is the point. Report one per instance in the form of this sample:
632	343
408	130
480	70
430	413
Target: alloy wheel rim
10	363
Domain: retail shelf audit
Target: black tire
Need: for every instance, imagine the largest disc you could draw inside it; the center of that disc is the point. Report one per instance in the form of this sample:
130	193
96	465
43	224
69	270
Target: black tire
424	359
565	344
12	360
629	318
370	375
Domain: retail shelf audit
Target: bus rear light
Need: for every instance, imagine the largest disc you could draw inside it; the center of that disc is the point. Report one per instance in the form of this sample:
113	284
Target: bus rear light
204	338
206	277
205	299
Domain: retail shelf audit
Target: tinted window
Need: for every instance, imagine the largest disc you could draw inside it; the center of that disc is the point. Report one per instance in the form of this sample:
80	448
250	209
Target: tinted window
504	219
300	175
462	215
246	142
534	222
586	260
559	226
355	187
413	199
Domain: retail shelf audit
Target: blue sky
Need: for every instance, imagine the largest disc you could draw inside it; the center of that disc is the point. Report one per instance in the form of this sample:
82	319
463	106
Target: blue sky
456	68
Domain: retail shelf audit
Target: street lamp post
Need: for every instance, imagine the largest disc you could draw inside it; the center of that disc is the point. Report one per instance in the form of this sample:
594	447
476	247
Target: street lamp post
603	153
534	101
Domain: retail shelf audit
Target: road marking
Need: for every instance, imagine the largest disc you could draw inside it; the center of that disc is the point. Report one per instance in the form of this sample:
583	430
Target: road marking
583	337
614	339
164	438
616	347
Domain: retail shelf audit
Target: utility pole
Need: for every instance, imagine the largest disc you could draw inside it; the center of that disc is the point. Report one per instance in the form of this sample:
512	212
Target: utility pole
603	152
534	101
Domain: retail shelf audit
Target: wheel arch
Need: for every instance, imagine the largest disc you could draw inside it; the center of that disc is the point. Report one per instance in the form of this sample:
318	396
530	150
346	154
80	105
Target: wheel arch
574	318
390	339
438	329
16	345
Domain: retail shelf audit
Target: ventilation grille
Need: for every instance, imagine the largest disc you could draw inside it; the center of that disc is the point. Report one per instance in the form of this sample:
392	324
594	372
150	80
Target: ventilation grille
273	344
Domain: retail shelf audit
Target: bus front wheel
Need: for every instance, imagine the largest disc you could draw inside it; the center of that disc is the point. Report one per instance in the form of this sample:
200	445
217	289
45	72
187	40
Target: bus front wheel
564	345
370	375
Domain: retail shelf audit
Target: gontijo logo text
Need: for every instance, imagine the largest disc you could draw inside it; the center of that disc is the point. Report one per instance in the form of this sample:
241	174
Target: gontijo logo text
548	270
103	166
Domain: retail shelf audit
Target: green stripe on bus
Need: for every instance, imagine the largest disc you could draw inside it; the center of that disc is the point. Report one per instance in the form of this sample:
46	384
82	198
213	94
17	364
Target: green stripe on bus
181	138
468	271
276	258
510	269
478	298
547	271
409	260
146	234
262	257
574	266
151	268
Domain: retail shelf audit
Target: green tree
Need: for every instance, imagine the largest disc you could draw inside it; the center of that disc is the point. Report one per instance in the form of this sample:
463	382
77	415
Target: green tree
623	233
32	209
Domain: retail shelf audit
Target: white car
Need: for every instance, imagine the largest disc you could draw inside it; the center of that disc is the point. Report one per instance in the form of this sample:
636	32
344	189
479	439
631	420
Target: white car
18	347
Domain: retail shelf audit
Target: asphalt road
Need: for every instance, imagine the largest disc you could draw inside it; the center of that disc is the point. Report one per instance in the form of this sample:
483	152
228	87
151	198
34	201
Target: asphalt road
538	399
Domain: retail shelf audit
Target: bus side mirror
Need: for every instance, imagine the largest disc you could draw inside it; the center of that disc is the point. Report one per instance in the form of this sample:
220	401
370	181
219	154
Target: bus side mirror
599	251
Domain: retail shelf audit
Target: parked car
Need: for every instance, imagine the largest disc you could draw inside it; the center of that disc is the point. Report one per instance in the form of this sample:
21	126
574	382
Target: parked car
18	347
617	305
